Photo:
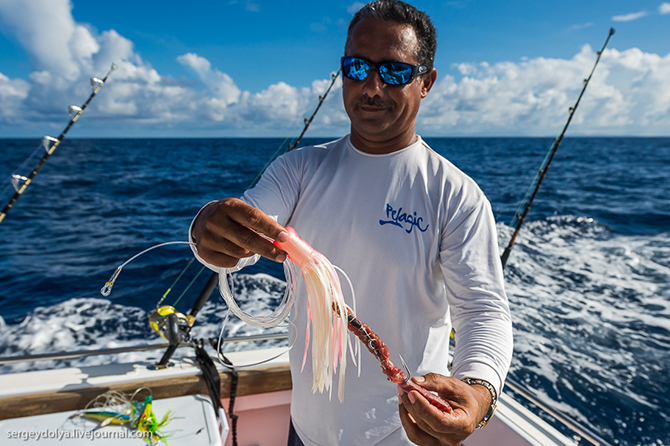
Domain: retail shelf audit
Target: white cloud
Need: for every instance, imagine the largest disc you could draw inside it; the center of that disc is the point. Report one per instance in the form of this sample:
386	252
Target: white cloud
579	26
48	32
630	17
664	8
65	54
12	93
220	84
321	27
280	107
354	7
628	94
252	7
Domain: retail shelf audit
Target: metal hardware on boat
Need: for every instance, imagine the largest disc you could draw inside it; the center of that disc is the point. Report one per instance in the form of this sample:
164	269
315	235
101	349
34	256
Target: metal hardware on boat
17	181
74	110
47	142
159	366
95	82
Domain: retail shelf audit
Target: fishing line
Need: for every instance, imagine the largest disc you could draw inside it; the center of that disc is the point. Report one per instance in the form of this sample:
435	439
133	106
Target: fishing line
174	283
277	316
188	286
107	289
274	319
222	359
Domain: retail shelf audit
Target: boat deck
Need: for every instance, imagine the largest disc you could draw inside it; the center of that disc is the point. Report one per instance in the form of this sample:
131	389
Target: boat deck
263	398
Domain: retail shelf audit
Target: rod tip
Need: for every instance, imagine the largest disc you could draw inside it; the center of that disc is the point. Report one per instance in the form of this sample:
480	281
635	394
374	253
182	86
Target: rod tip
612	31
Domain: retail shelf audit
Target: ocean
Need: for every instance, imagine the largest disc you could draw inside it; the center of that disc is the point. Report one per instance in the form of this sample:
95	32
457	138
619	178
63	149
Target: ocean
588	279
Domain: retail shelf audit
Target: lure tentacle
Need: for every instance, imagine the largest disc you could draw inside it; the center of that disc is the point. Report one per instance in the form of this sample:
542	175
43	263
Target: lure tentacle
327	313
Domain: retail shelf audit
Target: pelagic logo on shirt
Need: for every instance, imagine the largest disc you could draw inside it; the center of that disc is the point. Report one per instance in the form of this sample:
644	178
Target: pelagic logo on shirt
403	220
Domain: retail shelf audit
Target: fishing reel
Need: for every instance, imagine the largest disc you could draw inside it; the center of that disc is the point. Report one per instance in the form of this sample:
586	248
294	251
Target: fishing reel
175	327
170	324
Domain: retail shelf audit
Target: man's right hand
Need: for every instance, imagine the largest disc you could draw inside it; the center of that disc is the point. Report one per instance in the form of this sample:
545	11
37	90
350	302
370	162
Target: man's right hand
227	230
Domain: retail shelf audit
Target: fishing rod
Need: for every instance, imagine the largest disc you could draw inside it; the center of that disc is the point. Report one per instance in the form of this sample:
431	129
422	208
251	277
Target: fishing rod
542	173
50	144
307	121
176	330
322	98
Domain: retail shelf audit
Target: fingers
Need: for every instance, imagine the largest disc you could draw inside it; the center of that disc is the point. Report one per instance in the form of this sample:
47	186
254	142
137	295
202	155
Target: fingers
423	421
221	252
414	432
254	219
228	230
472	403
445	386
428	417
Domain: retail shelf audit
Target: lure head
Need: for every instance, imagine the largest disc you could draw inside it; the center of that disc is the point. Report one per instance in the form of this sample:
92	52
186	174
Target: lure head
169	323
298	250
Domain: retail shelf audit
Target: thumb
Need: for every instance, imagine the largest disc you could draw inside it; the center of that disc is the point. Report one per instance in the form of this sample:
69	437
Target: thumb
434	382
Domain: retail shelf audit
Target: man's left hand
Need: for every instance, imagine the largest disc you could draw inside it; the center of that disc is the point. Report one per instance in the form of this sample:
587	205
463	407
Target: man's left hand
427	425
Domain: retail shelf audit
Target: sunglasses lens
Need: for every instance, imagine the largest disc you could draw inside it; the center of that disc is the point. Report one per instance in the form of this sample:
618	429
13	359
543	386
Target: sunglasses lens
356	69
392	73
395	73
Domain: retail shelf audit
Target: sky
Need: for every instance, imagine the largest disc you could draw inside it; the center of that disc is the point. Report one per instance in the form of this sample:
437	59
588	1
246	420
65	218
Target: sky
255	68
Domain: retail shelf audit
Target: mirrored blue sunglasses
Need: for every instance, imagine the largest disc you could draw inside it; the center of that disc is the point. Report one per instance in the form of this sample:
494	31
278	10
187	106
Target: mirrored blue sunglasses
392	73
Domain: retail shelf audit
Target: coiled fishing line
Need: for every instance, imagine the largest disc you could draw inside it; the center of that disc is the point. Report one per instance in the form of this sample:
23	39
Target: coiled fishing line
279	314
265	321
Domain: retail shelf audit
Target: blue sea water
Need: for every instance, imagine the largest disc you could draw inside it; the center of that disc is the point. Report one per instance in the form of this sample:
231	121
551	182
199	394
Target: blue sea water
588	280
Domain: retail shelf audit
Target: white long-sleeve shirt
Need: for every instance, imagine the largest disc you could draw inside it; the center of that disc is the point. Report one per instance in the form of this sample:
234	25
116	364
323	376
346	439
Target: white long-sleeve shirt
418	240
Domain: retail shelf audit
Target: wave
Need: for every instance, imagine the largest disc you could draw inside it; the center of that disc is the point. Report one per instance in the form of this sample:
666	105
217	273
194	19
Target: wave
591	312
94	323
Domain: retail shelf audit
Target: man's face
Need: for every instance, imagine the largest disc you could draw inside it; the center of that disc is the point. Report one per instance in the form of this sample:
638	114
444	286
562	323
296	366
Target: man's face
383	116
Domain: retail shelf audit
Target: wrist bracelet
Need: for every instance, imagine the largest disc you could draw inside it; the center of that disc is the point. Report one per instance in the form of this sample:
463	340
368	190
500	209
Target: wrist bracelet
494	399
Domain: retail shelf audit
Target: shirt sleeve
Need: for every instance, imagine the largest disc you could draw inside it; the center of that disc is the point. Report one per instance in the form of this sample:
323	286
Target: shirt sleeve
276	194
278	189
475	289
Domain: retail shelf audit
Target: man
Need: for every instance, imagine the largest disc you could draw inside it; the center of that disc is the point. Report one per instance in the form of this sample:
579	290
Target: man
415	235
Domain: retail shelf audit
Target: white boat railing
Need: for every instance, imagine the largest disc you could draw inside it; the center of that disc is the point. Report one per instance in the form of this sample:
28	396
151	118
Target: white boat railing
580	432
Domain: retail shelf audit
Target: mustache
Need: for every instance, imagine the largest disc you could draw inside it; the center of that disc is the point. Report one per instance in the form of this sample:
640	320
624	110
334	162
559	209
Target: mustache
374	101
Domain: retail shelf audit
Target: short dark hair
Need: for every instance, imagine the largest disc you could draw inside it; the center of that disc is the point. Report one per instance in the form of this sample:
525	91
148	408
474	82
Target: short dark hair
404	14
